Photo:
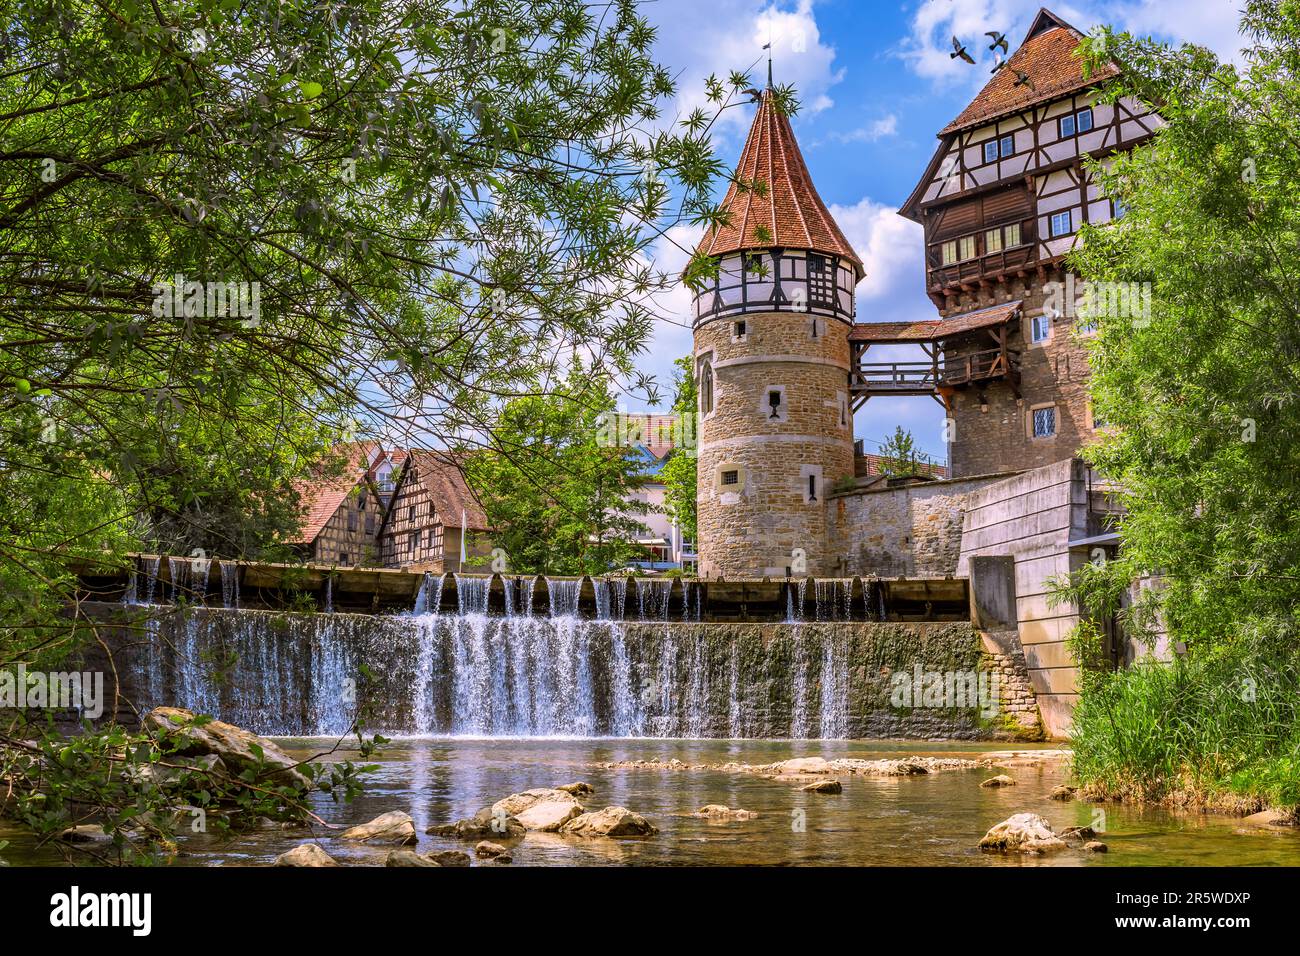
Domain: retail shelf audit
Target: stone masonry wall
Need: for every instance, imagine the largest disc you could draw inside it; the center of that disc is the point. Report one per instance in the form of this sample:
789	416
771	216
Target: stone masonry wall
1054	371
764	522
908	531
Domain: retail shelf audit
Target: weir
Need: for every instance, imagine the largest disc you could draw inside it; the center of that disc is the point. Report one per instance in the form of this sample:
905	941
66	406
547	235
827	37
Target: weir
538	656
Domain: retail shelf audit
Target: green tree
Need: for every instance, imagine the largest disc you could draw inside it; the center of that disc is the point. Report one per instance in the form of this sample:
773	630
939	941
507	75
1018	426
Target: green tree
899	457
429	205
1199	392
558	486
680	471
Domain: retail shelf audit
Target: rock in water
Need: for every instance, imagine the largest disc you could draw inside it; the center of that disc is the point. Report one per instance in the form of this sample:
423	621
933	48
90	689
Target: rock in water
803	765
392	827
1001	780
1063	793
824	786
408	858
610	822
305	854
237	748
715	811
578	789
484	824
487	849
449	858
1078	834
1022	833
1096	846
544	809
86	833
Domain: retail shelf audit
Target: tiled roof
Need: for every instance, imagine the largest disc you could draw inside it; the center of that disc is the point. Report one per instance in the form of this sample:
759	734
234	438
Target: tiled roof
928	330
789	208
871	464
654	432
1047	58
321	495
443	478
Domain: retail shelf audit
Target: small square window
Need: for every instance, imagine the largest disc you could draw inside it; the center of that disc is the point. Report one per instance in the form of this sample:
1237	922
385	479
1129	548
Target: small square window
343	557
1013	235
1117	209
410	513
1044	422
739	330
967	247
993	241
1007	146
1083	120
1067	126
990	151
731	477
1062	223
949	250
1040	329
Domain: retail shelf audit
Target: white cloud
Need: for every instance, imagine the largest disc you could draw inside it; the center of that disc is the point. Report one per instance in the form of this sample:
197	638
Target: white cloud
882	128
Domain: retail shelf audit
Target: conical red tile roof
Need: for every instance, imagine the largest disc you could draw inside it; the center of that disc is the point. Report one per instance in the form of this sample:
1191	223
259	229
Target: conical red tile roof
790	209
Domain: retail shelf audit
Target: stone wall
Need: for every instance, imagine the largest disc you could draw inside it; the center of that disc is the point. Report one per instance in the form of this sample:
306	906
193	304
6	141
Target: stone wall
907	531
1033	517
764	521
1052	372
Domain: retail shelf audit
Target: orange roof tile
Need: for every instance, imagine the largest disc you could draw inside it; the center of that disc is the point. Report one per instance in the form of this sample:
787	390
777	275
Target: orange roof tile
321	495
789	209
927	330
1047	57
443	478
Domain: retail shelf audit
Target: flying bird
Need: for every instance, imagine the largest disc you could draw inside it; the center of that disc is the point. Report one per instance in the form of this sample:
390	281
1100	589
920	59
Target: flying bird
998	62
960	51
754	95
999	40
1022	79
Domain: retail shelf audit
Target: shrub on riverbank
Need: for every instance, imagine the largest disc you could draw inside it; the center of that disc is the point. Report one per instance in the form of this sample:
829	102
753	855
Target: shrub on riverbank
1219	727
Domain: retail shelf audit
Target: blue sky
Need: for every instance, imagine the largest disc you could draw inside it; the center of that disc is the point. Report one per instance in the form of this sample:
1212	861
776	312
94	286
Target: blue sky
876	83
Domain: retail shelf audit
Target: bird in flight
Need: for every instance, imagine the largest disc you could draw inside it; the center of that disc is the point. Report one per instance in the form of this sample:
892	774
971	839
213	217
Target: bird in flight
999	40
960	51
1022	79
998	62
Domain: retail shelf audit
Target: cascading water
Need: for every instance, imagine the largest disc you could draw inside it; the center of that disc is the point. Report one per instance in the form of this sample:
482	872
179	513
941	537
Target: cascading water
471	672
151	578
229	584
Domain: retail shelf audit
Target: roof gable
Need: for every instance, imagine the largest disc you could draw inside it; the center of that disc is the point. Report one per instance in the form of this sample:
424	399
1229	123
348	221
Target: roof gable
789	211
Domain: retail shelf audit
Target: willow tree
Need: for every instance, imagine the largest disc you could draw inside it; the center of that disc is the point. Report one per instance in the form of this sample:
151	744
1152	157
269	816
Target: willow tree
233	230
1200	392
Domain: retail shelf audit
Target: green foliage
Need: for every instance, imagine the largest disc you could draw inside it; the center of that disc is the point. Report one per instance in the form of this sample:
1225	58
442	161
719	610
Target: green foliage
436	202
558	486
1200	395
899	456
1224	721
141	789
679	473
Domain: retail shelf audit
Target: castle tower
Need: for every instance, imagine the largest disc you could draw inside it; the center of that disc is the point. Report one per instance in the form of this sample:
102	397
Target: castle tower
772	367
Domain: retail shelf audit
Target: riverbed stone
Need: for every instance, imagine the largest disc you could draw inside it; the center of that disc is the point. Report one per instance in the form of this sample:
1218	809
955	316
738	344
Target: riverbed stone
306	854
1022	833
548	816
238	749
1078	834
610	822
449	858
824	786
404	857
801	765
1270	818
486	849
1096	846
716	811
483	825
86	833
1063	793
578	789
516	803
1001	780
395	826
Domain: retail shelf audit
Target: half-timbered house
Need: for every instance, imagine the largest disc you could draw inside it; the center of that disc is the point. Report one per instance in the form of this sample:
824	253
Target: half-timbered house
432	513
1002	202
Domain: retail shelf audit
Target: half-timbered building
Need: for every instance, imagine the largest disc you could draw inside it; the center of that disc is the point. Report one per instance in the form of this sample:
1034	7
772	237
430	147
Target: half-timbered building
1002	202
434	517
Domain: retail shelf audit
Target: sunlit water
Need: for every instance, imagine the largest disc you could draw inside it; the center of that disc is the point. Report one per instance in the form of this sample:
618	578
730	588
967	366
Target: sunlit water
931	820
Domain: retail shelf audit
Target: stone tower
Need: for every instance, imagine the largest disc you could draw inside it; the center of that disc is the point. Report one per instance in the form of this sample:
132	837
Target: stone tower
772	367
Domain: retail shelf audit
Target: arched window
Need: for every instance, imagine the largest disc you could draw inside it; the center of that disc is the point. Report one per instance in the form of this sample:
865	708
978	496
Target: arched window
706	387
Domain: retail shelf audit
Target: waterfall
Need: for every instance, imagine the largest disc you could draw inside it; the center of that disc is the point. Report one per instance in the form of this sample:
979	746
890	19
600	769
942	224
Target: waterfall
132	593
229	584
468	672
177	569
329	594
653	596
151	578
